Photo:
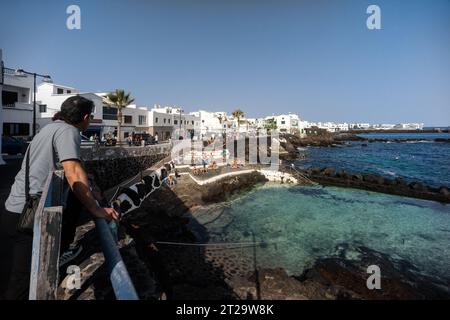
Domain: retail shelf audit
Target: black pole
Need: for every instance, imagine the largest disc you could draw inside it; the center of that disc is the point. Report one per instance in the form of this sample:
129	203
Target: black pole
34	105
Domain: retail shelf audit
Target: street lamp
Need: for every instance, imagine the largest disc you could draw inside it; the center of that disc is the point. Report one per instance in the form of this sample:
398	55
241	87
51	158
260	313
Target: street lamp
45	78
179	135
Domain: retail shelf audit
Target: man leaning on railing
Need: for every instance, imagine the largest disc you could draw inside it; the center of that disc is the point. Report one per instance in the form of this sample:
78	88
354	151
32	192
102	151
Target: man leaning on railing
57	143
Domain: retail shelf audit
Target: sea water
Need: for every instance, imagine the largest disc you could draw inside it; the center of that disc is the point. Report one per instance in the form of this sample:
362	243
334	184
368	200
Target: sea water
424	160
299	224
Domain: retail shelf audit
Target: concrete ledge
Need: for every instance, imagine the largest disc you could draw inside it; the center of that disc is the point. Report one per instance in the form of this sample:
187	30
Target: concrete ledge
108	153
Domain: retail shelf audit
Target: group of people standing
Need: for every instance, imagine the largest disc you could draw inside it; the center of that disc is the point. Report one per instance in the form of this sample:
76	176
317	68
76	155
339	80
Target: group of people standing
139	140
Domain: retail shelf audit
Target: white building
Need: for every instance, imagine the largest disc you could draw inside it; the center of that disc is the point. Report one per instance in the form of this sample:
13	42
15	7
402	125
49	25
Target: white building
17	104
329	126
135	118
172	121
288	123
409	126
211	121
50	97
1	106
359	126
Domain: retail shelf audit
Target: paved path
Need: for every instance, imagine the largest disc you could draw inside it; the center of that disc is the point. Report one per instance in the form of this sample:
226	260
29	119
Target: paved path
7	174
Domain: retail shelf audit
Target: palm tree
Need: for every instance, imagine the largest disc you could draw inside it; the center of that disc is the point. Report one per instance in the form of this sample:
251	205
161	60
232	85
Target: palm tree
270	125
238	114
118	99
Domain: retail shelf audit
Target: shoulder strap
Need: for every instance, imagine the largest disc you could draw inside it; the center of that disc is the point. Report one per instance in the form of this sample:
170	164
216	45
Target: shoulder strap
27	174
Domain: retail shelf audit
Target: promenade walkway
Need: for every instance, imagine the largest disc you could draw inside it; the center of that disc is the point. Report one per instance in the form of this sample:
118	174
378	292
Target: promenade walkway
7	174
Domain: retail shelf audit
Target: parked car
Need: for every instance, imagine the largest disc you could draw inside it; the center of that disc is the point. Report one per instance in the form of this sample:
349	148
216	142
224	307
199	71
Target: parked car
86	142
11	145
148	138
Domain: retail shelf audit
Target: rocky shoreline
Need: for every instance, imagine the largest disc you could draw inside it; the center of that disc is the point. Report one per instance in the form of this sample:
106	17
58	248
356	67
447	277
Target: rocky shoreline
339	278
373	182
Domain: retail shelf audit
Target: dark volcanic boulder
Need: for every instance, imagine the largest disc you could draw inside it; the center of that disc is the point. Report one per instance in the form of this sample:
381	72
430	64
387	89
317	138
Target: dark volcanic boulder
444	191
357	177
417	186
400	279
399	182
327	171
372	178
342	174
442	140
315	170
345	175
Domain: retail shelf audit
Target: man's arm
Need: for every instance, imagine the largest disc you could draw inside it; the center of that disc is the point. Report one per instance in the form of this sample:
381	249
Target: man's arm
79	183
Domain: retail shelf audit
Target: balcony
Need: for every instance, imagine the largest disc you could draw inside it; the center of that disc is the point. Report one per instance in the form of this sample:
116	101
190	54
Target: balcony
19	106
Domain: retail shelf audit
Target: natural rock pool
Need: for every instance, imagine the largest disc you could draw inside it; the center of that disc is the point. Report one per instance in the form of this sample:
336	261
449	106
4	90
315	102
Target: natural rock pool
299	224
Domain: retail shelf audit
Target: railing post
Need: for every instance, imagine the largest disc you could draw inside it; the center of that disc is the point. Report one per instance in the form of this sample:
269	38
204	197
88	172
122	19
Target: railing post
44	275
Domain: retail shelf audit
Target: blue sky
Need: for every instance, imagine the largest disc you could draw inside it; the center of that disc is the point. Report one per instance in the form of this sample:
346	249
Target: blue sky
315	58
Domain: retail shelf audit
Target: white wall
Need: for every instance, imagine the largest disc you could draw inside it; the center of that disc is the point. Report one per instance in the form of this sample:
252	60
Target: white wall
209	120
46	95
22	111
2	162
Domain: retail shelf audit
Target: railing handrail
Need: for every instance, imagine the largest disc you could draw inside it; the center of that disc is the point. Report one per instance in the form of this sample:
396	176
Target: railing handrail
44	277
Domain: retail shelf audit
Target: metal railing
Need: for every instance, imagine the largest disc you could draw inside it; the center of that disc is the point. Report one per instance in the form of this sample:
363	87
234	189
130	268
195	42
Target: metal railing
9	71
44	277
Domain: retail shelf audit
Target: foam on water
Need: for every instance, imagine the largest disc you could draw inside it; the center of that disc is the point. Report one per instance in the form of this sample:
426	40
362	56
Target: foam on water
301	224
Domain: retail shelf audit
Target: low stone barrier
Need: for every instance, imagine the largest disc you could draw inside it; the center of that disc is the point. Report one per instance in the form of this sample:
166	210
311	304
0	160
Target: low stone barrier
373	182
110	166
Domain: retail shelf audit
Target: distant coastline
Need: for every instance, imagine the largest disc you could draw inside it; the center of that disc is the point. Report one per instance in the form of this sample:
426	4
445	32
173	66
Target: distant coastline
424	130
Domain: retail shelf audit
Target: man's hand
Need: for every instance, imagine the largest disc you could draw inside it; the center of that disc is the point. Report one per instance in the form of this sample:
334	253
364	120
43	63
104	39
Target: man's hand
78	181
107	213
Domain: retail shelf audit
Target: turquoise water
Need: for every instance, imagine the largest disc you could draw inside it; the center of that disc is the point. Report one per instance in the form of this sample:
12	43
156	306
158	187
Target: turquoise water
300	224
426	161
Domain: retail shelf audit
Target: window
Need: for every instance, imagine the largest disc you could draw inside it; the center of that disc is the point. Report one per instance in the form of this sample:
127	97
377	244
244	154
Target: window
127	119
69	91
109	113
42	108
142	120
16	129
168	120
283	122
175	121
156	120
192	122
164	120
203	121
9	98
59	91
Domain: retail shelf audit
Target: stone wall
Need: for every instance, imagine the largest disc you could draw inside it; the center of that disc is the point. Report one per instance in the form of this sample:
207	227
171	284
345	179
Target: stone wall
372	182
113	165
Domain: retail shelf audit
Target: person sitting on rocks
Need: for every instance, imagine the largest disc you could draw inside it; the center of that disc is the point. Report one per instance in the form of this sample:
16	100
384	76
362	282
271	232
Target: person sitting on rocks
213	165
170	181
